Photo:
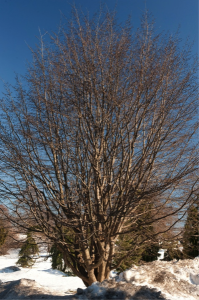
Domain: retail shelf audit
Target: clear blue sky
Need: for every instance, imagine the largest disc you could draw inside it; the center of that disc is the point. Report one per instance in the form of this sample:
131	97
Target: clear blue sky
20	21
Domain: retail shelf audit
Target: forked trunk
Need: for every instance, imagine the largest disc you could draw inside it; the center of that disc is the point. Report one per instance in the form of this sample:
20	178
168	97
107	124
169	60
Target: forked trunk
103	272
100	274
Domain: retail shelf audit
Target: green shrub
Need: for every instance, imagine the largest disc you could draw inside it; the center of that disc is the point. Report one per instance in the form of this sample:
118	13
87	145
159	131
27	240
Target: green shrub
150	253
191	233
172	252
146	251
57	259
3	235
28	249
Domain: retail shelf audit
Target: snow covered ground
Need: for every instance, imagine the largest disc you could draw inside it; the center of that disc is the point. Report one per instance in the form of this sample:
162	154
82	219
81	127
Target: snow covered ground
53	280
157	280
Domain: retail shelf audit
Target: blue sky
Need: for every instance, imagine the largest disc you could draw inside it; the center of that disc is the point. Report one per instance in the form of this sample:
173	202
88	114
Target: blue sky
20	21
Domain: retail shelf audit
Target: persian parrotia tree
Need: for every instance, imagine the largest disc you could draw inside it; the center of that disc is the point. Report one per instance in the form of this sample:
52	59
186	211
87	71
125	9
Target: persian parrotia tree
105	124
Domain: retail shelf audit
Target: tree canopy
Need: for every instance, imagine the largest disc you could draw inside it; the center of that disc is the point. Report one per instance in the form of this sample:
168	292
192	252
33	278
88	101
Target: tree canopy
104	126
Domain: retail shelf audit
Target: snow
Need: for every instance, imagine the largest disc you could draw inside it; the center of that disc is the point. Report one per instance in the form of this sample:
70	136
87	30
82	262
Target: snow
53	280
175	280
161	254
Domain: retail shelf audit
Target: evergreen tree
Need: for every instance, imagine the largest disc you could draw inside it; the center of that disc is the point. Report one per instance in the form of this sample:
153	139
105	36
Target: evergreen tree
28	249
124	244
172	252
3	225
3	234
147	251
150	253
191	233
57	259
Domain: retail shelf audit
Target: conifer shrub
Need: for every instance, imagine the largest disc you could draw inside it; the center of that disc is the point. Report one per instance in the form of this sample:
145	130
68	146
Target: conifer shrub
124	244
3	228
58	262
147	251
57	259
171	254
150	253
3	234
28	249
172	251
191	233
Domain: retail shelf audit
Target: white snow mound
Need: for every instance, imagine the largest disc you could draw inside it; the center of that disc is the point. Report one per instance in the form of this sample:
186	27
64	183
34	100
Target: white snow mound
178	279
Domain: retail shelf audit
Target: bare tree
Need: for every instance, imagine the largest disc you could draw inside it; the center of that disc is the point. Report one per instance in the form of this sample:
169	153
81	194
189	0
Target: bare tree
104	129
